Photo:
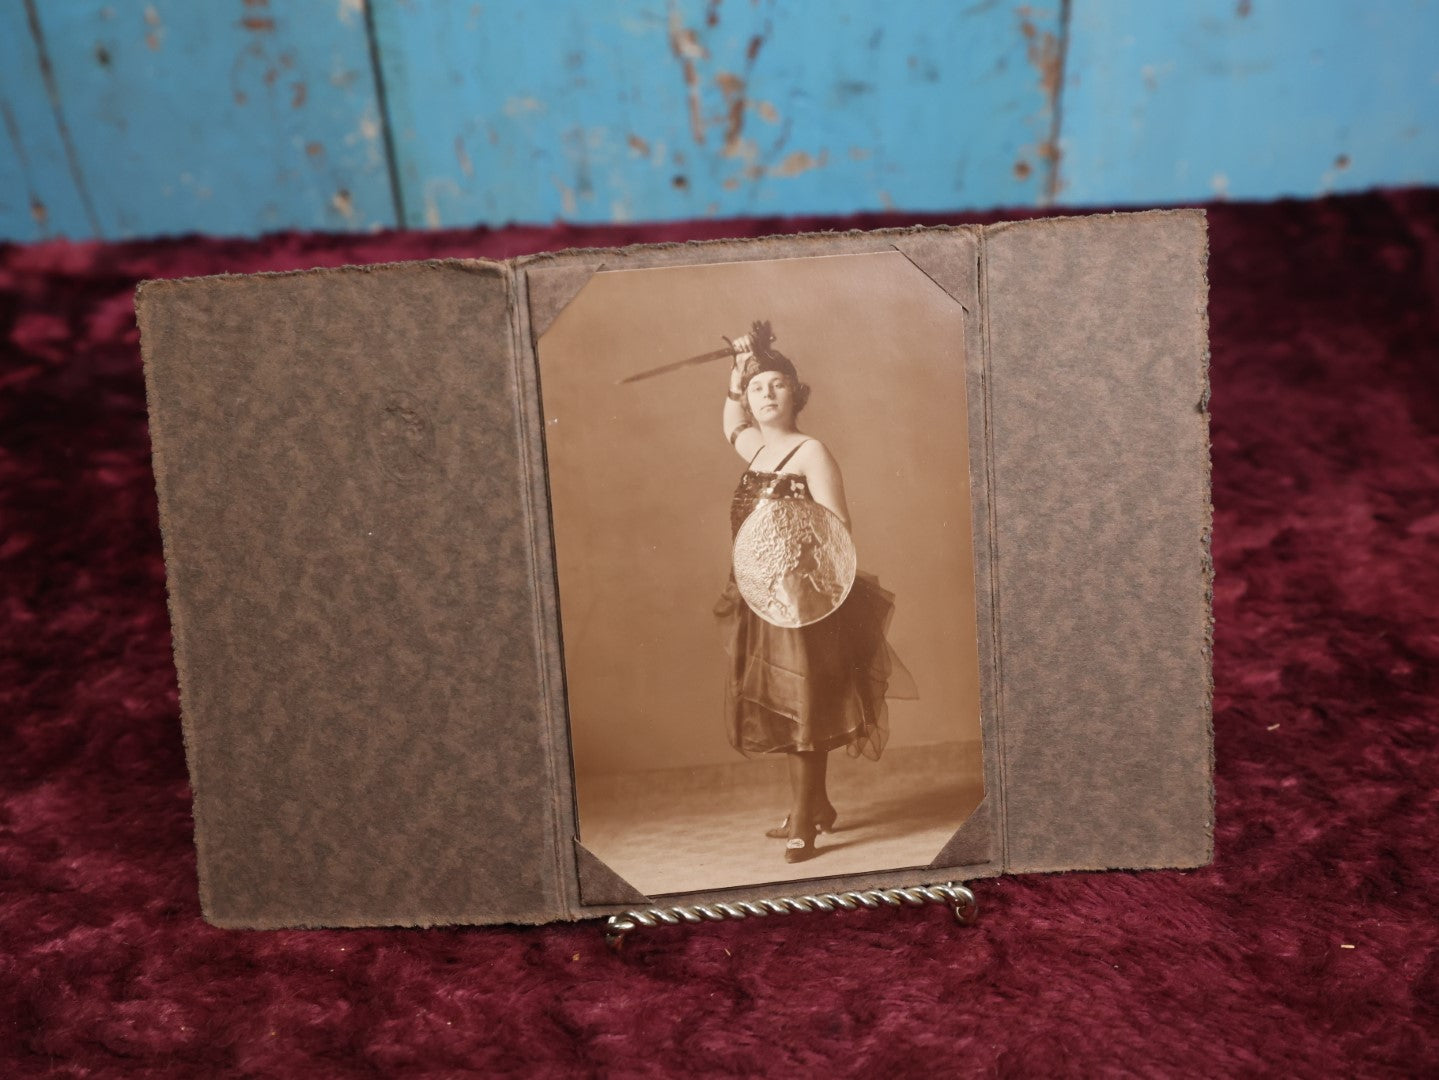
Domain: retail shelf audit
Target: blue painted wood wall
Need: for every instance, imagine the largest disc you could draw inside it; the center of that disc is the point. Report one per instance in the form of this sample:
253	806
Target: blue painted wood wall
126	118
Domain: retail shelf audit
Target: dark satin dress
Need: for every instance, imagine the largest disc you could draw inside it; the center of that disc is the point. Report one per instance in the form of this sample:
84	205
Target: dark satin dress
815	687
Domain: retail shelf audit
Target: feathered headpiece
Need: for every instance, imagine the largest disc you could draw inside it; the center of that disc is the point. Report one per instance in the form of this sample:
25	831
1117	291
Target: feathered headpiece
765	356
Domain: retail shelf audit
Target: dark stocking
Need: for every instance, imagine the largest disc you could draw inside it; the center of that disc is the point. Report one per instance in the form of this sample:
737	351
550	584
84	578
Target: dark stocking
810	801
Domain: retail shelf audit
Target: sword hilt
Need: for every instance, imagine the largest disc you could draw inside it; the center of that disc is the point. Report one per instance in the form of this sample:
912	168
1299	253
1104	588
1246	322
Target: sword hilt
761	338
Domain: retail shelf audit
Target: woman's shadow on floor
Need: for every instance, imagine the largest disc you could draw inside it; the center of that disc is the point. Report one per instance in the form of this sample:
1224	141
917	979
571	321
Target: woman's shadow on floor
902	815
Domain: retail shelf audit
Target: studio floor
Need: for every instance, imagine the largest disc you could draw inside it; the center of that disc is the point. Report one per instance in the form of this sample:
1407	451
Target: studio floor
681	830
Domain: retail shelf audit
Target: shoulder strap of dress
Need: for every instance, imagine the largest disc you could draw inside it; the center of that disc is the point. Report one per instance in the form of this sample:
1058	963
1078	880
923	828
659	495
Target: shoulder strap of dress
756	453
785	460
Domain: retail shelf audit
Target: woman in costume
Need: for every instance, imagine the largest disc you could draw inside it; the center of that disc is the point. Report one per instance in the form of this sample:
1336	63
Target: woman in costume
800	690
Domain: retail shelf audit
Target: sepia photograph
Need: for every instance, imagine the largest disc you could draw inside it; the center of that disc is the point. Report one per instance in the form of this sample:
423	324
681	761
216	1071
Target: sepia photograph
759	481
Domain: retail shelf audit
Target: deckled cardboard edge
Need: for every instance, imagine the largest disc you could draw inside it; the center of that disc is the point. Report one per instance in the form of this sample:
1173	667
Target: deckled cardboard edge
1207	543
160	462
485	265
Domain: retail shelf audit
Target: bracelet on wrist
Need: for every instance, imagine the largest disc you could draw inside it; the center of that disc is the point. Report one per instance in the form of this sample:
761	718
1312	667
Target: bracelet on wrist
734	395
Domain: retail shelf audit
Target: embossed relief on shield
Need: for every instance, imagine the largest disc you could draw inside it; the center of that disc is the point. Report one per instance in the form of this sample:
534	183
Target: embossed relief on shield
765	570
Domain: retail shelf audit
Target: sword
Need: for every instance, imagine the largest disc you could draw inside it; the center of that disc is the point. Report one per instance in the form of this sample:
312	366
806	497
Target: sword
702	358
761	338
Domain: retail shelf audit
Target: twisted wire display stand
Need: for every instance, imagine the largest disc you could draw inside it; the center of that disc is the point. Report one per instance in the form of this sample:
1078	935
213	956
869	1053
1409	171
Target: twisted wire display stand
959	897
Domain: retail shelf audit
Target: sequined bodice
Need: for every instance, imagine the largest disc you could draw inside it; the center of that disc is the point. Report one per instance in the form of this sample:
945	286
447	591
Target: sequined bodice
754	486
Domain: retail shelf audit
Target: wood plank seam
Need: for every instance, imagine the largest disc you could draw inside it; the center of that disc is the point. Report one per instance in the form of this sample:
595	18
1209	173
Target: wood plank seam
52	91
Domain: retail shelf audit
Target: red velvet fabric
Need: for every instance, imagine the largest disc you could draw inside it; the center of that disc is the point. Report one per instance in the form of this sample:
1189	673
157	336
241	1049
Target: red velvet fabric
1307	949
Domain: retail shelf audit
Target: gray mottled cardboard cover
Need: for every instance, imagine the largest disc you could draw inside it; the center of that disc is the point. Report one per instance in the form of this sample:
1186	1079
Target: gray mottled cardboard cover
362	586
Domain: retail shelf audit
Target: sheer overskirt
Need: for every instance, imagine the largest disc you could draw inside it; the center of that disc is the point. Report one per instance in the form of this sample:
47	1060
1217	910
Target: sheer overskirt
815	687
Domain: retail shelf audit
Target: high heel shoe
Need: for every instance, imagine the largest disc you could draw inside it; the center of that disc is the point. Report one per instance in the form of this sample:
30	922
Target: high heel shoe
824	824
800	848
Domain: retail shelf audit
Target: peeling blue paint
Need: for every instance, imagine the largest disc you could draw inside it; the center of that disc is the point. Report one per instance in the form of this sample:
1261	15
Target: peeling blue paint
1170	103
231	118
692	110
40	193
144	117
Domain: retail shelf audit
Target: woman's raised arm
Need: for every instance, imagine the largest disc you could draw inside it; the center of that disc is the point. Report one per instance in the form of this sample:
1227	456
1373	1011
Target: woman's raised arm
738	428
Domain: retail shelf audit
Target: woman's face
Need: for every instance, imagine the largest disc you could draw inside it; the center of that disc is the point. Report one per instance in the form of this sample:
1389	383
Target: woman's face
771	398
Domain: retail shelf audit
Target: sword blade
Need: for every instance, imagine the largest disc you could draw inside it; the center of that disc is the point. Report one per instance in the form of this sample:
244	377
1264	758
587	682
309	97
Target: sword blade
702	358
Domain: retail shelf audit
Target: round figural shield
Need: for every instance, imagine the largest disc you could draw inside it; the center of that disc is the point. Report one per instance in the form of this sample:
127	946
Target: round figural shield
794	561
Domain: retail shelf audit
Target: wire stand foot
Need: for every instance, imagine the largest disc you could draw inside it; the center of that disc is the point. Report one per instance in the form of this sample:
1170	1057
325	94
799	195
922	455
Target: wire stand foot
961	900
